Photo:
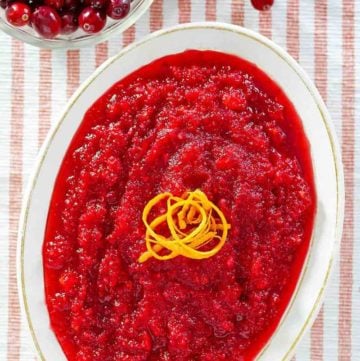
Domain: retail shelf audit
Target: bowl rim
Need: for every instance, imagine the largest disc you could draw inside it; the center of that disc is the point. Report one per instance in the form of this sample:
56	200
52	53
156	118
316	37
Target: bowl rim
335	149
76	43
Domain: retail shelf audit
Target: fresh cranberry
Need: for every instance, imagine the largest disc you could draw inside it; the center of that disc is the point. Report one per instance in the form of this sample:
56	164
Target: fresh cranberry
3	4
118	9
72	4
99	4
92	20
56	4
46	21
18	14
69	23
262	4
34	3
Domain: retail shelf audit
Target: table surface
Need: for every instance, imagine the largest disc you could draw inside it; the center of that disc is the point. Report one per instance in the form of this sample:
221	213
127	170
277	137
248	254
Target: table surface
324	36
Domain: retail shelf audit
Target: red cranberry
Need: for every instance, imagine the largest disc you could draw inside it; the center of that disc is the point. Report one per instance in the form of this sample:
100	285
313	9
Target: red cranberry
18	14
69	23
3	4
262	4
118	9
56	4
34	3
98	4
72	4
46	21
92	20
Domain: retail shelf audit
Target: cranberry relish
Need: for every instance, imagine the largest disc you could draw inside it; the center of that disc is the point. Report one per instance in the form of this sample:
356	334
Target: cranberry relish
193	120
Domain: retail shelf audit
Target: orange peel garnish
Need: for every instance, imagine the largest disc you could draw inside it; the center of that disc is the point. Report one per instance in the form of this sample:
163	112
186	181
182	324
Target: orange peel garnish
192	221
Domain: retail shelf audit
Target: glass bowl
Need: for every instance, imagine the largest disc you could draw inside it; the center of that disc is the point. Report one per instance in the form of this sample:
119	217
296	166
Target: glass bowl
79	38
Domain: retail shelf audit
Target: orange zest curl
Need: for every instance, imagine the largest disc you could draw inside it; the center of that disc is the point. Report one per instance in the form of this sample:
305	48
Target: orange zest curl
192	222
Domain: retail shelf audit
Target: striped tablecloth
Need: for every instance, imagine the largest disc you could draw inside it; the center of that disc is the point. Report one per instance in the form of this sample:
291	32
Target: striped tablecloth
324	36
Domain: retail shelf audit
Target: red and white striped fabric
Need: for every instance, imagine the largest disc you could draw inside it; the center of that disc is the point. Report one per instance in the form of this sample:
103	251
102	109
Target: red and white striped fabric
324	36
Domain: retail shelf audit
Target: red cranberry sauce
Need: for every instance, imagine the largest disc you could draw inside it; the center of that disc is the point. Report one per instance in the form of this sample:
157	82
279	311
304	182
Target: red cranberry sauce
192	120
